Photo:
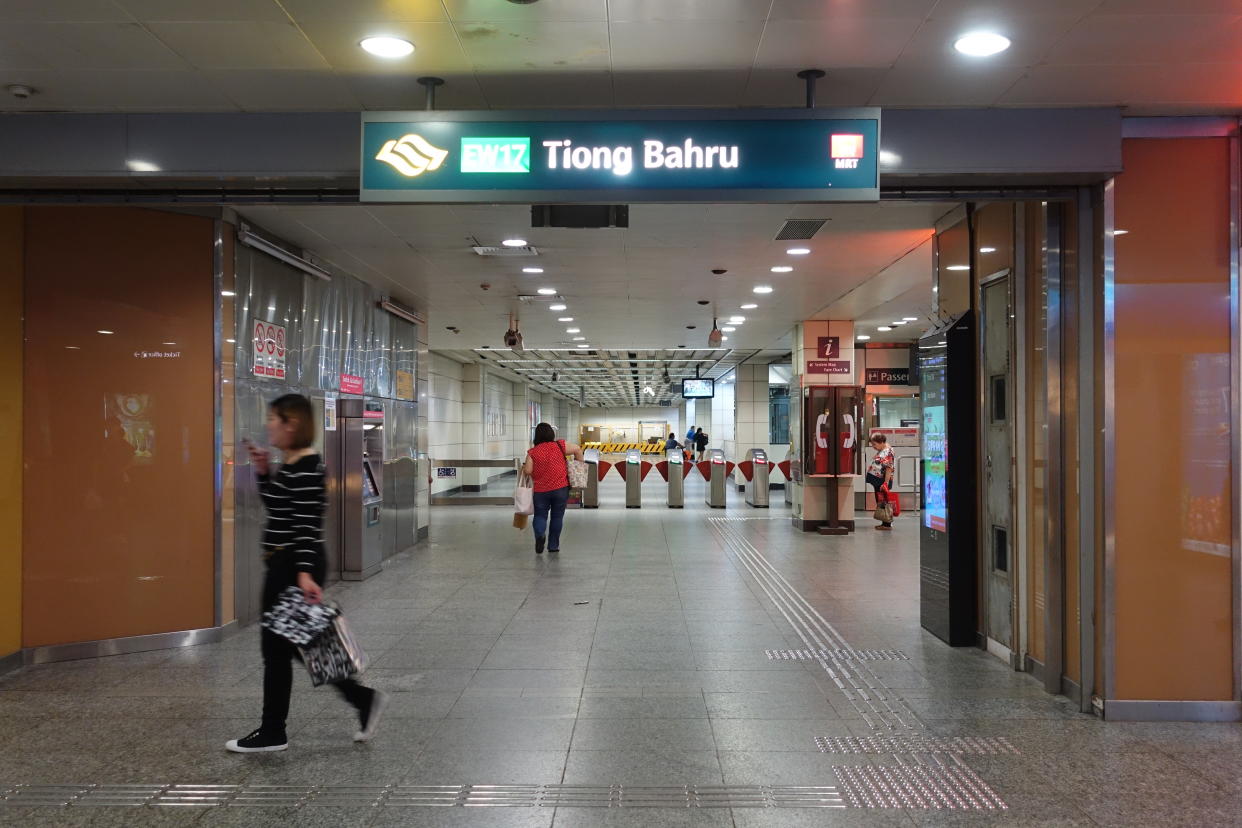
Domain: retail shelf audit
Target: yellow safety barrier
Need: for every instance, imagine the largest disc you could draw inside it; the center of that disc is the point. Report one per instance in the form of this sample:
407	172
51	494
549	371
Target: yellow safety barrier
622	448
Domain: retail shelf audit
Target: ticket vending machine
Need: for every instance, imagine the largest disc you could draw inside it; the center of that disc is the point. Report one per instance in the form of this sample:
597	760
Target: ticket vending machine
633	479
590	495
360	470
676	470
757	469
717	475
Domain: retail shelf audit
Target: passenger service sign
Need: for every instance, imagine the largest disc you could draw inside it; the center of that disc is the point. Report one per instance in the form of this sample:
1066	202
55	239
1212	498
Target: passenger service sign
798	155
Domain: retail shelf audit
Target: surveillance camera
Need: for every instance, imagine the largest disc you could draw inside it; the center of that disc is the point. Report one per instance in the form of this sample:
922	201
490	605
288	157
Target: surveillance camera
485	286
513	339
20	91
704	301
719	271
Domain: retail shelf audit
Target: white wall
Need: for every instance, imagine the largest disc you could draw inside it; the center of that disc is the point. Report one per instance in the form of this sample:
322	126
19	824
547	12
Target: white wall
444	416
625	420
722	434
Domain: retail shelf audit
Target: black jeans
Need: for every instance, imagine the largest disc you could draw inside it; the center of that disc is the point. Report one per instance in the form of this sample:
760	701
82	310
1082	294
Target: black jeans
278	655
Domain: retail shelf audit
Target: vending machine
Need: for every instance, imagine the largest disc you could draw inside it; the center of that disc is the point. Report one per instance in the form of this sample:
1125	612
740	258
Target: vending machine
359	484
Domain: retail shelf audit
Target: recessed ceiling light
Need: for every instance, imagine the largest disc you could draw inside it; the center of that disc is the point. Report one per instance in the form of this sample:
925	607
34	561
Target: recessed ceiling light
798	251
231	341
137	165
514	242
862	337
728	329
227	293
888	158
737	320
579	339
987	249
884	329
72	348
557	307
106	333
170	343
897	324
532	270
547	291
749	306
573	330
565	319
724	339
909	319
958	267
762	289
782	269
387	47
1120	232
981	44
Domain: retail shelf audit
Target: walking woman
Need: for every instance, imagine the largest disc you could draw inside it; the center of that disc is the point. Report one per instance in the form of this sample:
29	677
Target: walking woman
880	474
293	549
545	463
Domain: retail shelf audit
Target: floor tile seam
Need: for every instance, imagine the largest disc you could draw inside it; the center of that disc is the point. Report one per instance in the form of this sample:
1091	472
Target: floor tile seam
582	692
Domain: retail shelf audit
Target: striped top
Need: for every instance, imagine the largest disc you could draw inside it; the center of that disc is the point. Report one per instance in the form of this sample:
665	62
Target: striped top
294	499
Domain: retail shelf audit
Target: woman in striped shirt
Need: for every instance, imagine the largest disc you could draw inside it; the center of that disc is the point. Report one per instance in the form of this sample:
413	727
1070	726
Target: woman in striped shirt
293	549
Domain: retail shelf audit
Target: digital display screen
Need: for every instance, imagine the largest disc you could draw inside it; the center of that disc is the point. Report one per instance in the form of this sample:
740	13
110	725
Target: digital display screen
935	442
698	389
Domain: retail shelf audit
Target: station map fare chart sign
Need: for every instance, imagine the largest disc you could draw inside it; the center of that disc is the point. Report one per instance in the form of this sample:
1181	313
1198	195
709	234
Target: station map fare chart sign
771	156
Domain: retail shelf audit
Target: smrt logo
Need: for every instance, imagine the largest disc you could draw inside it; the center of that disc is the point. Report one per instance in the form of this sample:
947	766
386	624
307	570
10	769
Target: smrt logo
847	151
412	155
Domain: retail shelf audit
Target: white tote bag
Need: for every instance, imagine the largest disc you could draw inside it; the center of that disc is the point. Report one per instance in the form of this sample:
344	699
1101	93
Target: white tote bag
524	497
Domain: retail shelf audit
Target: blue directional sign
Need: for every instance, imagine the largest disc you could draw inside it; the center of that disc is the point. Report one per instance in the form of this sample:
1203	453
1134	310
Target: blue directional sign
799	155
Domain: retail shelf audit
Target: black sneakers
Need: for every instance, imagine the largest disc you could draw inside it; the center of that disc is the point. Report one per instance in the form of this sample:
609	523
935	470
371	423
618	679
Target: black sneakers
539	542
258	742
369	717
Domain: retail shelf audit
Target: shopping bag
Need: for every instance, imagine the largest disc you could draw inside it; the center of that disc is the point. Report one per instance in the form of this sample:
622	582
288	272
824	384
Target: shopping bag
335	655
297	621
894	501
577	473
883	512
524	497
519	521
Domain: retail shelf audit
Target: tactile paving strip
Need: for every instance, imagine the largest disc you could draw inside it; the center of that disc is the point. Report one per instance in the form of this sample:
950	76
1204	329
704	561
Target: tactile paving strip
934	785
843	655
978	745
443	796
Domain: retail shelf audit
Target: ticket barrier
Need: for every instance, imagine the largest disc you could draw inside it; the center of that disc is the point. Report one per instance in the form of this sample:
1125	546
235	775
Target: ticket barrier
756	469
674	470
632	471
716	471
590	494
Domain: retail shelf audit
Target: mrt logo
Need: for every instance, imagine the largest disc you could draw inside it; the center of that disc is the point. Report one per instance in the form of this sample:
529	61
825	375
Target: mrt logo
847	151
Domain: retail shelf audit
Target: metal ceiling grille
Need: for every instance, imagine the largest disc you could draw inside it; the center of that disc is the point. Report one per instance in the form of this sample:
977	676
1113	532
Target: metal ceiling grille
617	378
800	229
506	251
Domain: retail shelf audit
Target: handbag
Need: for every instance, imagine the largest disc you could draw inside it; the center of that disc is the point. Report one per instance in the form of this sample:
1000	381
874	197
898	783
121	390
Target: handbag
297	621
575	469
335	655
524	497
883	512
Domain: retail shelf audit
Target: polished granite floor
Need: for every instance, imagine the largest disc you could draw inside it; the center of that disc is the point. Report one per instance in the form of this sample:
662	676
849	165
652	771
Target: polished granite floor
635	657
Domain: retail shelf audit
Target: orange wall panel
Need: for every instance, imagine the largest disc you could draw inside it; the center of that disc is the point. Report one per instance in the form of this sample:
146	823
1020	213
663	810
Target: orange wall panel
118	489
10	430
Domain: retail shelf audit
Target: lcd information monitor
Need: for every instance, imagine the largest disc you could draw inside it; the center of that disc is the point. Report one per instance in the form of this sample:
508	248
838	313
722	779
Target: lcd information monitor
698	389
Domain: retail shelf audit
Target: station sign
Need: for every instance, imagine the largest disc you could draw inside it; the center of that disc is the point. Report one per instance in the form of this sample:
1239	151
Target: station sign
770	156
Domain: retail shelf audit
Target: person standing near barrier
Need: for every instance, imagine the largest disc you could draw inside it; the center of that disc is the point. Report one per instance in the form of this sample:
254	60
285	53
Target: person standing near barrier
294	497
549	474
671	443
880	474
700	443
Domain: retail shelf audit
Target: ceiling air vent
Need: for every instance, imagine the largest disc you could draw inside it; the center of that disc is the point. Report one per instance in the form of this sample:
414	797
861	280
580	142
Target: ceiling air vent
798	229
506	251
535	297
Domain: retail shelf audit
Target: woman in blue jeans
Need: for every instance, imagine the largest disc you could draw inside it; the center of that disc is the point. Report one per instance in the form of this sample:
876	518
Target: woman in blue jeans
549	474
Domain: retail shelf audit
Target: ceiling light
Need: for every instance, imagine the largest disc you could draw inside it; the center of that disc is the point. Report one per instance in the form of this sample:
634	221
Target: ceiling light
762	289
579	339
387	47
565	319
105	333
724	339
227	293
862	337
909	319
136	165
72	348
231	341
170	343
798	251
573	330
514	242
981	44
547	291
782	269
532	270
557	307
987	249
737	320
749	306
728	329
884	329
888	158
958	267
1120	232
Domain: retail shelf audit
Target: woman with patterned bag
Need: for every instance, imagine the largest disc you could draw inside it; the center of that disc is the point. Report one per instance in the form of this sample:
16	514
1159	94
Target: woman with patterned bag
549	470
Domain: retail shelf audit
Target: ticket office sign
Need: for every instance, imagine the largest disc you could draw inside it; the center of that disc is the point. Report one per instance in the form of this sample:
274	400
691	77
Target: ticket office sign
801	155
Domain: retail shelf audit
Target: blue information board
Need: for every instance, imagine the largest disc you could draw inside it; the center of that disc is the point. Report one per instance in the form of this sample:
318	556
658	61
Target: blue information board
799	155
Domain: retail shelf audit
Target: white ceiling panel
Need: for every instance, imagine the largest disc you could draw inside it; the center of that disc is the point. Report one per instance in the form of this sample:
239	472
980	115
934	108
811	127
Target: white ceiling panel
838	9
400	92
841	87
542	90
1033	37
685	45
69	46
1150	87
589	11
624	11
254	10
147	91
255	90
853	42
525	47
1165	7
228	44
437	48
368	11
685	89
61	10
945	86
1151	38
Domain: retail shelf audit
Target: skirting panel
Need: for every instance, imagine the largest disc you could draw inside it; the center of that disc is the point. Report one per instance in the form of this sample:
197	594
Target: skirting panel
126	646
11	662
1172	711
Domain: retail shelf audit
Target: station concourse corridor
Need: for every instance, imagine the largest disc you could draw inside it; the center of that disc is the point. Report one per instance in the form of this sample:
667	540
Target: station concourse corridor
647	675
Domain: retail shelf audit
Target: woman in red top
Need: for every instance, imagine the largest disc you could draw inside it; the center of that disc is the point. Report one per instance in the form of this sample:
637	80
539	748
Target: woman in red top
545	463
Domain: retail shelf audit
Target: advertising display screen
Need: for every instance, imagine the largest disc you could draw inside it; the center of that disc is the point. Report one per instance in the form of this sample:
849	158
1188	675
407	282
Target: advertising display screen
698	389
935	443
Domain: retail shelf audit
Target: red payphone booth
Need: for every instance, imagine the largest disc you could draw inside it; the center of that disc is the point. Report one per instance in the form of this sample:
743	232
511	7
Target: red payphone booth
832	419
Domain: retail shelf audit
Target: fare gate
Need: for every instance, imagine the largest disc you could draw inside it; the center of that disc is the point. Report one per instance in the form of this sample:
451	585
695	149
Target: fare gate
756	469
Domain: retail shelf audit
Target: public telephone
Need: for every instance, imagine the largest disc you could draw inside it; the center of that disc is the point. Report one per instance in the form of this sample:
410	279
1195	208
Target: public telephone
834	412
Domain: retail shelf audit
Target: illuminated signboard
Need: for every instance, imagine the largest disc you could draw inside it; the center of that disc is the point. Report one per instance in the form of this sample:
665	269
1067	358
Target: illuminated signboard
782	156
